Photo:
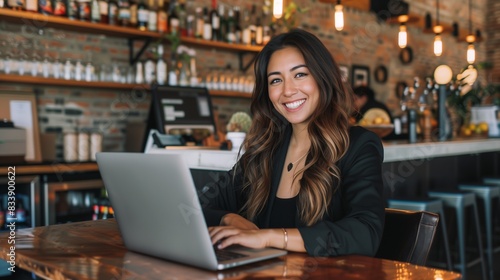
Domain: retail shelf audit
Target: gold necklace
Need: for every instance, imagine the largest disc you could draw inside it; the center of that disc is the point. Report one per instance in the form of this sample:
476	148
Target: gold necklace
291	164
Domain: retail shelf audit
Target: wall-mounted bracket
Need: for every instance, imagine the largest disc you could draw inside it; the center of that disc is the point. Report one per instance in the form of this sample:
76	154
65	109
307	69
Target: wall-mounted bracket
133	58
243	67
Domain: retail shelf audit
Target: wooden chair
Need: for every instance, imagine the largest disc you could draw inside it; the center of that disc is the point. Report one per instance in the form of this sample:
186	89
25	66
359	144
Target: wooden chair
408	235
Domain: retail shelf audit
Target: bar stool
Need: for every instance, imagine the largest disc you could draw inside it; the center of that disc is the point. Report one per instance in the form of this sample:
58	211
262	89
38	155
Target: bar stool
487	193
430	205
459	201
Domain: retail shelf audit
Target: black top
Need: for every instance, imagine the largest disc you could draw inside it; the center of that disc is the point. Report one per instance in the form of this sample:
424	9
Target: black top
283	213
354	220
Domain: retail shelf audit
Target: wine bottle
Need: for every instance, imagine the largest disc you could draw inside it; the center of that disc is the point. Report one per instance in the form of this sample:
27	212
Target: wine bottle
253	26
161	67
149	69
31	5
237	25
207	25
173	18
199	23
113	12
133	13
162	17
60	8
142	15
215	21
152	16
45	7
123	13
95	13
103	9
181	13
222	23
231	27
71	9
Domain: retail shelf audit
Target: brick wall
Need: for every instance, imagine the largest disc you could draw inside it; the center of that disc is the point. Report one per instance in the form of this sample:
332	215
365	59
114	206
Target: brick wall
364	41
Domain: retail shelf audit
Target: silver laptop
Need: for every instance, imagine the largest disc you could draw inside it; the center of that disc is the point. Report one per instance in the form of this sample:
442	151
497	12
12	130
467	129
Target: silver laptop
158	212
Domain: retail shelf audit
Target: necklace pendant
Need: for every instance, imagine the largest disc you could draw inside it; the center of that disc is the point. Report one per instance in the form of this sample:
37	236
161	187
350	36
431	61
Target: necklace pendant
289	167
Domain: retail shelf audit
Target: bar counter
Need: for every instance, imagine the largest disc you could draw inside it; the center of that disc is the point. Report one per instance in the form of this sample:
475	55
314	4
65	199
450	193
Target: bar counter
94	250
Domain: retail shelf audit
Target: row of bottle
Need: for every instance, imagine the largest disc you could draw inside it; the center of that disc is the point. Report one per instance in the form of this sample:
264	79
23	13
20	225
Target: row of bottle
219	23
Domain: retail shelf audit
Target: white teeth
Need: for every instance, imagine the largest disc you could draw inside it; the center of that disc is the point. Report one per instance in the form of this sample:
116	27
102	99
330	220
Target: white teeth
295	104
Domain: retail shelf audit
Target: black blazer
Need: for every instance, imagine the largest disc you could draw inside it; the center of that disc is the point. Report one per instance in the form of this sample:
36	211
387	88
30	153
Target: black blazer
355	218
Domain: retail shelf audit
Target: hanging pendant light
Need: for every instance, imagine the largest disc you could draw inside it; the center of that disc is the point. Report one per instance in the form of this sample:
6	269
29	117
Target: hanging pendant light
339	16
471	52
277	9
402	36
438	29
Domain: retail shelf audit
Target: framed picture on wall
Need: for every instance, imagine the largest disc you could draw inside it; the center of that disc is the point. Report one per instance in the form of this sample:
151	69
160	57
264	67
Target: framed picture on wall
360	76
344	72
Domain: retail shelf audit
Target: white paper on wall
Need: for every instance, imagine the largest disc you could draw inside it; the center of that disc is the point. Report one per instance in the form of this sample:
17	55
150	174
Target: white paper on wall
22	116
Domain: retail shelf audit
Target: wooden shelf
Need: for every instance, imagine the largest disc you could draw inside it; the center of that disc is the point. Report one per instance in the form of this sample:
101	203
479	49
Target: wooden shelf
40	21
16	79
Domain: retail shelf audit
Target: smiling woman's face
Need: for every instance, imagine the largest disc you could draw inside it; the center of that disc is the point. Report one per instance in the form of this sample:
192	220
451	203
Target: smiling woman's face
292	89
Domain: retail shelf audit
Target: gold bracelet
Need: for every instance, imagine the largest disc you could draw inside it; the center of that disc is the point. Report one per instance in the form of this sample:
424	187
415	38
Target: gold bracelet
285	238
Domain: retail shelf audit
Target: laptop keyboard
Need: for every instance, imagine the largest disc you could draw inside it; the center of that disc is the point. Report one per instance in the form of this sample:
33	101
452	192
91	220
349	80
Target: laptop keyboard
224	255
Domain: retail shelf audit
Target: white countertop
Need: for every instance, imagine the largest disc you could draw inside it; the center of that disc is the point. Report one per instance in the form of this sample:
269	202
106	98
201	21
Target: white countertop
393	151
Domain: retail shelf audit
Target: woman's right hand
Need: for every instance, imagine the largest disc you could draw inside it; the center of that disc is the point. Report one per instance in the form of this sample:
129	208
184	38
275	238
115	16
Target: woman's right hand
237	221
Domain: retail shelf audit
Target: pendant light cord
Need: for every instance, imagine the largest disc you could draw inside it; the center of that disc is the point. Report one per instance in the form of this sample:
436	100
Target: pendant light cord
470	17
437	12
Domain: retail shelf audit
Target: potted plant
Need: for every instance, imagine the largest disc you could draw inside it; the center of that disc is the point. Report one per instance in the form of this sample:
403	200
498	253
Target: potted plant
237	128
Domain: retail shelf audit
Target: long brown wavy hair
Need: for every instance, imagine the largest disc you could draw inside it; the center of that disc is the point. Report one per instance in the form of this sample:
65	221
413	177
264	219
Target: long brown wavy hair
328	129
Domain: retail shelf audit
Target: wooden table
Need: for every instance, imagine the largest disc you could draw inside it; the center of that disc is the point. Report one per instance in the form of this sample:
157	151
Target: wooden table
94	250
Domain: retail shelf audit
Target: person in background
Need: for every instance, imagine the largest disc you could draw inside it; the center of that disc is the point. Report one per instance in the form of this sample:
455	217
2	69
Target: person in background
364	100
308	181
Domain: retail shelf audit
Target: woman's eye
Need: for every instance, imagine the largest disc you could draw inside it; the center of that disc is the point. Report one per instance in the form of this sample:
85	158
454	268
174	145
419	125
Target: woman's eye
299	75
274	81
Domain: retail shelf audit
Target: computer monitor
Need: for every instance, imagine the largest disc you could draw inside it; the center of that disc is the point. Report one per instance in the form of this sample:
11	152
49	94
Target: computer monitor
177	109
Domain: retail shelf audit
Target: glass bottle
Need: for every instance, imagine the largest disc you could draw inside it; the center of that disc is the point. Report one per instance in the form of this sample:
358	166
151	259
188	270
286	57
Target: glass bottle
103	8
161	67
222	23
95	14
207	25
149	69
199	22
237	27
152	16
72	9
139	73
181	13
172	73
142	15
113	12
123	13
60	8
215	21
45	7
133	13
231	27
31	6
84	10
162	17
173	19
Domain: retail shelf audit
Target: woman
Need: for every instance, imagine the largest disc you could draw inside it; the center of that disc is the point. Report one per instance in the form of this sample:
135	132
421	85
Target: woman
307	182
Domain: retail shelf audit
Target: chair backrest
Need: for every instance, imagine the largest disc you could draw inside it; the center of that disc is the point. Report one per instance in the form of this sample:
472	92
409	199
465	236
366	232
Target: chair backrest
408	235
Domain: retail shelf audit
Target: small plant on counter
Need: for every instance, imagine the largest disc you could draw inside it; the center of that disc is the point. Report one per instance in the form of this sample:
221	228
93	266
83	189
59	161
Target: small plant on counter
239	122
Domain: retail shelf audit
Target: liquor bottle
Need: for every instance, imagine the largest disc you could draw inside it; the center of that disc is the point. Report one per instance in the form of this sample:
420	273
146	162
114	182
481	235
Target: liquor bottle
199	22
15	4
60	8
173	18
71	9
181	13
45	7
152	16
142	15
161	67
162	17
123	13
31	5
253	26
172	72
95	13
231	27
245	35
103	8
259	32
215	21
237	28
222	23
133	13
149	69
2	5
113	12
207	25
84	10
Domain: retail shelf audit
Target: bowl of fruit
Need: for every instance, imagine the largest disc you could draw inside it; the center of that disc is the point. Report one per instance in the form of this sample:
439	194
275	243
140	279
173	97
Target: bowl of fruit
475	130
377	121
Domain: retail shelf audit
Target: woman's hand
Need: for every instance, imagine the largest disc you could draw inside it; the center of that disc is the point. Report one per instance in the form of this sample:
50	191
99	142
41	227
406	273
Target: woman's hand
237	221
225	236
